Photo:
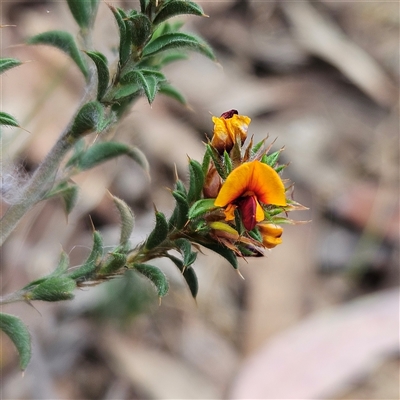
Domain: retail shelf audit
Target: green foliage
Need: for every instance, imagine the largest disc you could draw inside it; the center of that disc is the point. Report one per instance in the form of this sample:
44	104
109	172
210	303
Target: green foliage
104	151
156	276
177	7
8	120
159	233
68	193
87	269
15	329
103	75
201	207
179	216
113	263
170	91
196	181
63	41
188	274
88	119
177	40
185	248
8	63
147	81
227	163
124	34
223	251
54	288
84	11
271	159
141	30
127	221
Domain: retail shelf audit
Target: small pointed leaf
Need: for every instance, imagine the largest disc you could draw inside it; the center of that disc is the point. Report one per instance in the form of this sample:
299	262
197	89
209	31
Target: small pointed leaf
196	181
63	41
8	120
180	214
201	207
178	40
84	11
54	288
143	5
68	192
188	274
228	254
85	271
103	75
8	63
159	233
141	29
170	91
103	151
127	220
156	276
177	7
16	330
114	262
124	34
88	119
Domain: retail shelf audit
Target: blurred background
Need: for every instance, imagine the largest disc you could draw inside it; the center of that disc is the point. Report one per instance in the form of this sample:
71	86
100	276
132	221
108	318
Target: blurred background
318	316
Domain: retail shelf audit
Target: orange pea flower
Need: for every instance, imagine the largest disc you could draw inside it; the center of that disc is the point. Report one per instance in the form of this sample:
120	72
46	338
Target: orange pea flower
271	234
246	187
228	129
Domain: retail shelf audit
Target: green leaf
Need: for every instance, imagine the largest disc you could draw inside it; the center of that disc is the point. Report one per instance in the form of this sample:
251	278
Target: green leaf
54	288
141	30
170	91
124	34
179	216
201	207
89	266
103	151
8	120
159	233
16	330
227	163
8	63
143	5
185	248
217	161
127	220
271	159
84	11
178	40
88	119
62	266
125	91
68	192
177	7
103	75
156	276
196	181
63	41
147	82
170	58
180	187
228	254
188	274
114	262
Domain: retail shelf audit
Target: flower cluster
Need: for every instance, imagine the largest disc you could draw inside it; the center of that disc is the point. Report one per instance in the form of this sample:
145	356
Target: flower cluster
243	194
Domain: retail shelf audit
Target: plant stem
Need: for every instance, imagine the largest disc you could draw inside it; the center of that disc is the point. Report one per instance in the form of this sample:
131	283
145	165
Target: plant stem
35	188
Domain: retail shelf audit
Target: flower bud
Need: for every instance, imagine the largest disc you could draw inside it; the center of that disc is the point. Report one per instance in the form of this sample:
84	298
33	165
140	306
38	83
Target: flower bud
271	234
212	183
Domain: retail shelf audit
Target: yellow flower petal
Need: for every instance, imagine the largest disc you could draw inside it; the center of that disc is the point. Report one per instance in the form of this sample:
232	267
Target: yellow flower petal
254	177
228	130
271	234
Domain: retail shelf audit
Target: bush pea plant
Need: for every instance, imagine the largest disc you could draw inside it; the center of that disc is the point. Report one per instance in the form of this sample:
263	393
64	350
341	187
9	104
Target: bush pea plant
235	200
